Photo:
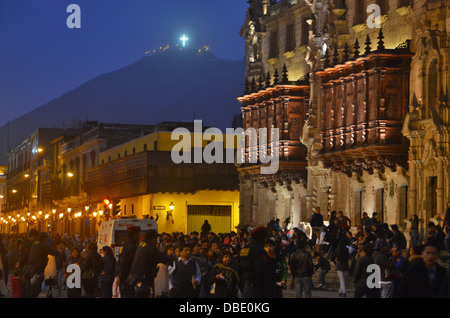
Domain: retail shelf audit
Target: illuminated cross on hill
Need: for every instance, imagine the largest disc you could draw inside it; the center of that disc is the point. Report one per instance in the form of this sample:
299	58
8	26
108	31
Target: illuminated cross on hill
184	39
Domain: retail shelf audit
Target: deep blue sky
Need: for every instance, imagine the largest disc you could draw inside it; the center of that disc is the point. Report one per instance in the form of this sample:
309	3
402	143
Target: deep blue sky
41	59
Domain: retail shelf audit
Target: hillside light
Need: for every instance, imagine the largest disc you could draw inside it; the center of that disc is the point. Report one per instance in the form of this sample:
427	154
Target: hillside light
184	39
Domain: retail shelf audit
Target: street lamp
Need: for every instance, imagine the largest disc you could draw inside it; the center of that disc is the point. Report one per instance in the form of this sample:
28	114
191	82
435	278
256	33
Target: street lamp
70	174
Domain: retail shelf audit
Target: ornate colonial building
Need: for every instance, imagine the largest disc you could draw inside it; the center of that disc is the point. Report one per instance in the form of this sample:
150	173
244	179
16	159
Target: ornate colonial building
360	100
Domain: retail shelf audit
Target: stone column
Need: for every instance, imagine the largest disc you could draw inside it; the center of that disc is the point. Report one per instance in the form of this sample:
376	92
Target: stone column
440	187
333	191
309	194
412	189
255	205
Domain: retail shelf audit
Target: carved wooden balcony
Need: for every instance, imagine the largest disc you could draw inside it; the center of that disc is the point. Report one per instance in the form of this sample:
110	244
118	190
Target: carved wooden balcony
280	105
365	101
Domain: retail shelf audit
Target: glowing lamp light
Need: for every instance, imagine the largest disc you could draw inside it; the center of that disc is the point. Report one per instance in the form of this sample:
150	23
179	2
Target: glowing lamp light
61	215
100	212
53	211
14	191
34	217
94	214
171	206
70	174
26	175
40	150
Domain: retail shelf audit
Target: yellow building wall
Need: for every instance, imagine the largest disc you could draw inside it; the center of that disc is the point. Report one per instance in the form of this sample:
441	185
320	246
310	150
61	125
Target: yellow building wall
164	143
177	221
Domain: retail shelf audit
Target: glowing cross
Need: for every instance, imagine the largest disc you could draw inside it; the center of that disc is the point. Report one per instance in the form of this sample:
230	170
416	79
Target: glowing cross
184	39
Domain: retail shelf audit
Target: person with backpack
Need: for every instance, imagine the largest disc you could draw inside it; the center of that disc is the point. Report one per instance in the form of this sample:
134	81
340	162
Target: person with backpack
125	260
90	270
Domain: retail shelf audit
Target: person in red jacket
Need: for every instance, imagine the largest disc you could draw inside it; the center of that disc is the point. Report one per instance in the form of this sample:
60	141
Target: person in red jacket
344	222
15	285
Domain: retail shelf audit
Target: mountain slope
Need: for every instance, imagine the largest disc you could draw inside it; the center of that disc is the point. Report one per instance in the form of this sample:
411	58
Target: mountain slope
171	86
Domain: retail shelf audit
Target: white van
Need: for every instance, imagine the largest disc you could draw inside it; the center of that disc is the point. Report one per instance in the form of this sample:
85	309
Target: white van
113	233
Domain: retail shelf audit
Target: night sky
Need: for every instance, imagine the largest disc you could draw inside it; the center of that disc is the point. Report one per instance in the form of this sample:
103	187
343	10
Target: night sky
41	58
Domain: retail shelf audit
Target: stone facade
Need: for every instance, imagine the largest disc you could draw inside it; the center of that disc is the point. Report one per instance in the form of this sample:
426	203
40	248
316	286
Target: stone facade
329	36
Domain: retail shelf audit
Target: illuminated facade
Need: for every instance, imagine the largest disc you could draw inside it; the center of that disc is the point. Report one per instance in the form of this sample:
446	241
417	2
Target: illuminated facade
141	178
376	114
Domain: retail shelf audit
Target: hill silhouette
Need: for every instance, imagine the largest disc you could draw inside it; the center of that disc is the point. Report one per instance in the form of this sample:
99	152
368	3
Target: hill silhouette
170	86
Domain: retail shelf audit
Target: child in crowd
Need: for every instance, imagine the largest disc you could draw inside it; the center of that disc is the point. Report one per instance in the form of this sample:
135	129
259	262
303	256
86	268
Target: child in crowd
15	285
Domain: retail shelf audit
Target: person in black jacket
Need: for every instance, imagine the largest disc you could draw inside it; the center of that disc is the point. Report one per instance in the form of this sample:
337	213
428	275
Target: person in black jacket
398	238
316	220
424	278
125	260
324	266
302	268
23	260
106	277
225	278
145	265
90	270
37	261
445	289
361	274
255	267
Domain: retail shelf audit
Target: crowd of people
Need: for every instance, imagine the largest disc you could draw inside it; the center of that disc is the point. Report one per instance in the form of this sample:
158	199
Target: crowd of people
249	263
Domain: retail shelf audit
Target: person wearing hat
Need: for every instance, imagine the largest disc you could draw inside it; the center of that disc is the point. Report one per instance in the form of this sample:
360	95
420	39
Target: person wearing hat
125	260
387	264
255	267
